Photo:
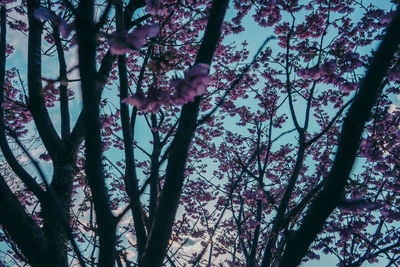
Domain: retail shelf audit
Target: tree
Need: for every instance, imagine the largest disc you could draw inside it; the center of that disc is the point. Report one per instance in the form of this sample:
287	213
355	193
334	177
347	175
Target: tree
195	155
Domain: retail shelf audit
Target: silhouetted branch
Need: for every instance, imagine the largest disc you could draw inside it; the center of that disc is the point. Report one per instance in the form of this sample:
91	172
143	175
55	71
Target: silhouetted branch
169	200
353	125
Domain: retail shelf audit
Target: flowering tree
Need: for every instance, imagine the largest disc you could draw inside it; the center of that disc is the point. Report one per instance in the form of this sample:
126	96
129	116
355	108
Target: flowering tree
183	151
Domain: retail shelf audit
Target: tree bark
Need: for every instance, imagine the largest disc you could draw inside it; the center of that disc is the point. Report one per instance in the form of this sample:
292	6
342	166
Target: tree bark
86	37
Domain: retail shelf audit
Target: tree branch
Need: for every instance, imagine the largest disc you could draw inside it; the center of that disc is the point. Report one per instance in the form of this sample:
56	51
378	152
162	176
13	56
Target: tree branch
131	181
65	119
22	228
86	37
26	178
36	104
353	126
169	200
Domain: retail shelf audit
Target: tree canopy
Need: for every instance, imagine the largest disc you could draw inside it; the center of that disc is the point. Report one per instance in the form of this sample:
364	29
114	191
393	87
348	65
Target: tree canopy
199	133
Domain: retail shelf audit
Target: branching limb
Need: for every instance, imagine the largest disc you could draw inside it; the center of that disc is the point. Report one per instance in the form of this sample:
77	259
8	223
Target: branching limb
353	126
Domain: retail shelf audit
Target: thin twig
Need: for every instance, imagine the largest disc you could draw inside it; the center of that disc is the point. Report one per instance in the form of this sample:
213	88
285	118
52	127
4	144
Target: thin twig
235	83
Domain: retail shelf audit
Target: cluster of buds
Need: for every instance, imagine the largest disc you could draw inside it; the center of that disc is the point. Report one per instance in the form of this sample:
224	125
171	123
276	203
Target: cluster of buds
318	72
194	84
155	8
121	42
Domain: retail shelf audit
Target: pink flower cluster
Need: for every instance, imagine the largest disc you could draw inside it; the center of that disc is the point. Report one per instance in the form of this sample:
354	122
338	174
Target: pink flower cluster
45	14
369	151
316	72
121	42
45	157
253	194
155	8
151	103
194	84
326	74
394	76
347	87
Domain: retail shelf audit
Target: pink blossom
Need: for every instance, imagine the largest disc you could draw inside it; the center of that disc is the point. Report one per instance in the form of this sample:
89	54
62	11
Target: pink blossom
393	187
198	69
318	72
184	90
153	106
117	43
282	28
345	234
194	84
303	73
347	87
45	156
260	194
249	194
155	8
253	224
152	103
372	260
353	59
156	98
394	76
312	256
146	31
121	42
329	68
198	234
375	155
311	73
381	167
108	123
138	100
